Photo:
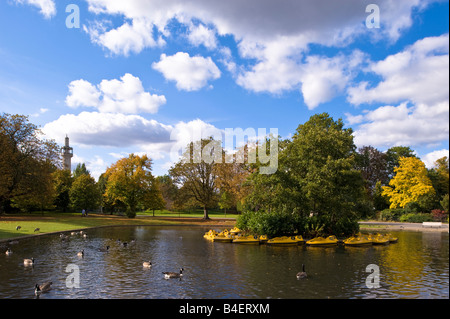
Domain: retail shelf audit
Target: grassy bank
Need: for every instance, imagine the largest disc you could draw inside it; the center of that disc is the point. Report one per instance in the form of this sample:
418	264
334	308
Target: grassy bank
58	222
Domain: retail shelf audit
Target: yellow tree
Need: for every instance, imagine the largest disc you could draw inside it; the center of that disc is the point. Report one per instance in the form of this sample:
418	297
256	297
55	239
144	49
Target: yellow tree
409	184
130	181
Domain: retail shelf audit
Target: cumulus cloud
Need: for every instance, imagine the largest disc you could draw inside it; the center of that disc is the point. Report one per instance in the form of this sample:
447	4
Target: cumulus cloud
431	158
47	7
420	73
202	35
189	73
416	81
126	95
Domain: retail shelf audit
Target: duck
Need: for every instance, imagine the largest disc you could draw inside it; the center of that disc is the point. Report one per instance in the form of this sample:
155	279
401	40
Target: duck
18	227
81	253
147	264
8	252
168	275
37	229
104	249
302	274
28	262
45	287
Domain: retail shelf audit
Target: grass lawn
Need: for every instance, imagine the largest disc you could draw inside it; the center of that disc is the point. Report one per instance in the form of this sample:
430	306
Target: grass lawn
57	222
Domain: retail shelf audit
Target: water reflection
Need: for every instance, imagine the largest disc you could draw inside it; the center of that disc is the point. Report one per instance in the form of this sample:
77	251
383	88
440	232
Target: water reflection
415	267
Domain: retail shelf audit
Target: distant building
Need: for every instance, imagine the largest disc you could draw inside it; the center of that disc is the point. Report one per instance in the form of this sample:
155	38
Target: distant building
67	154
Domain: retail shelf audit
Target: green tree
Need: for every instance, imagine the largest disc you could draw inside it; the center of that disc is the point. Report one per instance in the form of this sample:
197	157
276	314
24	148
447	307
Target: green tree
372	164
26	163
62	183
129	182
154	199
80	170
84	193
393	156
196	175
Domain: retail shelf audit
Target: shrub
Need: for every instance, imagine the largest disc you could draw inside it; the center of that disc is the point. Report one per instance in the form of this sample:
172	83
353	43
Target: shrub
391	214
438	215
416	218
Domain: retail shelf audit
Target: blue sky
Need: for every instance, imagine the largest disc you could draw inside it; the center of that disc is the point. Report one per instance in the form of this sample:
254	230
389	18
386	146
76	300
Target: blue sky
142	75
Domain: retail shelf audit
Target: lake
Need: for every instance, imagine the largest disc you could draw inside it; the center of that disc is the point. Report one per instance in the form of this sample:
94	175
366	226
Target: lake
415	267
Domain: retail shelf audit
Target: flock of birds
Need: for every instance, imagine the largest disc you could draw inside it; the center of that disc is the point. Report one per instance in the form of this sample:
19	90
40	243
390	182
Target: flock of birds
47	286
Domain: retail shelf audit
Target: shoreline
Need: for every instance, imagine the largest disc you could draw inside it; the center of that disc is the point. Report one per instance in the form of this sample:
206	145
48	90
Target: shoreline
397	226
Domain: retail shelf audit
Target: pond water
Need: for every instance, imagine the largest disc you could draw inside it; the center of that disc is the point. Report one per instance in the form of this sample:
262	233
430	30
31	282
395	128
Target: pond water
415	267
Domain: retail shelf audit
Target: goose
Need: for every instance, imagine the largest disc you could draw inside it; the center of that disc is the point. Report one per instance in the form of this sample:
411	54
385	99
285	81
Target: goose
168	275
302	274
45	287
147	264
81	253
28	262
18	227
85	235
104	249
8	252
37	229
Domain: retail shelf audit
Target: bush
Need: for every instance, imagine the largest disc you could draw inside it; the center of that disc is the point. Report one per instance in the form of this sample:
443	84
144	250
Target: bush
416	218
439	215
272	224
391	214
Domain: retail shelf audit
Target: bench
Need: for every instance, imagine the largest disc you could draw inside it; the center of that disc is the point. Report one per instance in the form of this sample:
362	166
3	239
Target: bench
431	224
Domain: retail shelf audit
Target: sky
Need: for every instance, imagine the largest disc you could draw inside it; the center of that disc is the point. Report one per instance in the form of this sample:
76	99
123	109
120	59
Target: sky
145	76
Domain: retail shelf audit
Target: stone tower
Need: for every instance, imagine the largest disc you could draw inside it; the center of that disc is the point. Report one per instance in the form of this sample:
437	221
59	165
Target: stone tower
67	154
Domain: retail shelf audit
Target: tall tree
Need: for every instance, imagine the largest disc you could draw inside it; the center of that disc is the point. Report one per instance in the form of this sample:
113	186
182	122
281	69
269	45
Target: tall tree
393	156
372	164
84	193
197	176
409	184
80	170
62	183
26	162
129	181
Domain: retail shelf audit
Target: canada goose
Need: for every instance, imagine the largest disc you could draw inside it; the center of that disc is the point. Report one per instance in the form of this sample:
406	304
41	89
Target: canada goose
73	233
302	274
28	262
104	249
81	253
38	289
85	235
125	244
168	275
8	252
37	229
18	227
147	264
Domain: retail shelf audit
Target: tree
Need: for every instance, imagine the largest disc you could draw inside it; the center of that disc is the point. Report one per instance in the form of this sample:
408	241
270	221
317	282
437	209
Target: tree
129	181
62	183
84	193
410	183
154	199
393	156
26	163
168	190
196	176
80	170
372	164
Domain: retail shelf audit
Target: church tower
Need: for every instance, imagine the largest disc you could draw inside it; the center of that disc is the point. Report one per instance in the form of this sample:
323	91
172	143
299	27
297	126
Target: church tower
67	154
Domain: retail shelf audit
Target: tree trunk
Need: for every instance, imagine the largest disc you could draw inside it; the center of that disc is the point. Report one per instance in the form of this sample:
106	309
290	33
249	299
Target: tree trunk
205	213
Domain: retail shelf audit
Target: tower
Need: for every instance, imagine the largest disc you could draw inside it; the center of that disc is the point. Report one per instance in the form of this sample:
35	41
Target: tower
67	154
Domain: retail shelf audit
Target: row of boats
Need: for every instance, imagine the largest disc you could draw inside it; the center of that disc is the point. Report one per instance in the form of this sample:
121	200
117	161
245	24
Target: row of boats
234	236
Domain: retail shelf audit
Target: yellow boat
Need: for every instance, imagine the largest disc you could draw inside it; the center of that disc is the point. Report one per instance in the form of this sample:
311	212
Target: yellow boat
223	237
263	239
285	240
210	234
320	241
235	230
358	240
392	239
250	239
379	239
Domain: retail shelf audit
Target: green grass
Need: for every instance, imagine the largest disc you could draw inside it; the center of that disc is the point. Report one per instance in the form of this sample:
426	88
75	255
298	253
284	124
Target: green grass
194	213
49	222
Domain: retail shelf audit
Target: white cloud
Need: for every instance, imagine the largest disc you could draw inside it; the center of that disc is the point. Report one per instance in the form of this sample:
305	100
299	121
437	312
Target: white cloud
420	74
202	35
126	95
190	73
47	7
418	125
430	158
107	129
